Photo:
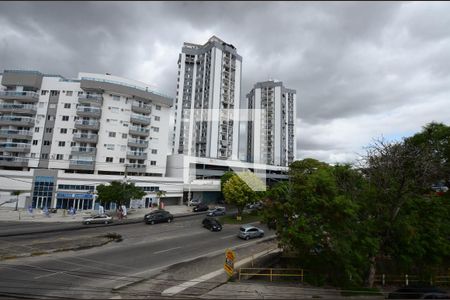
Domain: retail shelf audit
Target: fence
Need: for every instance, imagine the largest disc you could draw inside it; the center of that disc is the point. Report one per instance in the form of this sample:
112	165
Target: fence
408	279
271	272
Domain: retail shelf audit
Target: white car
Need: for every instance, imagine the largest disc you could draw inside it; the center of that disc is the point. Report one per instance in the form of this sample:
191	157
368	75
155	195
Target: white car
98	219
247	232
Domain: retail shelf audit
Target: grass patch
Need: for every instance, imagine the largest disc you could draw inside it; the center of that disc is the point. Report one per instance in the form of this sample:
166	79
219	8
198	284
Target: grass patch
246	218
362	291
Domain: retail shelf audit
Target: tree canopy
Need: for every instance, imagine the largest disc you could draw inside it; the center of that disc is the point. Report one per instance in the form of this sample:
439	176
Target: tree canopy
119	192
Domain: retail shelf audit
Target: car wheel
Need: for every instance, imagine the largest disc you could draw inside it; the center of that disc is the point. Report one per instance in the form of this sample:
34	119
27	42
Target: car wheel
152	222
169	220
87	223
262	234
247	237
211	229
106	222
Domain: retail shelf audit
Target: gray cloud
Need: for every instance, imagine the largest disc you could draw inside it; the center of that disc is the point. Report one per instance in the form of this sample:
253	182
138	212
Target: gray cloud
349	62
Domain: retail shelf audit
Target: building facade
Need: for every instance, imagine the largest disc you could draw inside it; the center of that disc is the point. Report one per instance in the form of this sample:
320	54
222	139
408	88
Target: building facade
206	110
95	124
271	124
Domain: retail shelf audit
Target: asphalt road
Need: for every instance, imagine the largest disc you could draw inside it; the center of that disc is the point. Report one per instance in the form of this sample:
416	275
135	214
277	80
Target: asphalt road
145	250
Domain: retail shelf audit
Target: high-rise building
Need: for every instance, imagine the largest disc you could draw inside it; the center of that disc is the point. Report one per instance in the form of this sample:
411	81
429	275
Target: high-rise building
208	99
97	124
271	124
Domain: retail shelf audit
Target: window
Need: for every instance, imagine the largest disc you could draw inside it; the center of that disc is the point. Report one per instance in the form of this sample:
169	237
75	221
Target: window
66	105
123	148
36	129
35	142
73	144
115	109
50	118
112	134
80	93
41	104
156	129
61	144
63	130
153	162
65	118
48	130
47	143
44	155
124	135
116	98
54	93
44	92
121	160
157	118
109	146
158	107
33	155
125	124
154	151
59	156
52	105
109	159
69	93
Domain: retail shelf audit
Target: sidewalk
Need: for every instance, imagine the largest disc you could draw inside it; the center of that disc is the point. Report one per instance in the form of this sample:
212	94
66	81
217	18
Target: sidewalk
62	216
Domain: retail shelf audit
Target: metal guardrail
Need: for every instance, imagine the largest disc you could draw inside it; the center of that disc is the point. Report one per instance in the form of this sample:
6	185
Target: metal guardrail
406	279
271	272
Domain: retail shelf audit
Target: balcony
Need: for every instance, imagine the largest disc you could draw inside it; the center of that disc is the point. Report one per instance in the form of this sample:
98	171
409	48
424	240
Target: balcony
141	108
135	130
139	119
20	96
16	134
11	161
136	168
85	138
75	164
136	155
17	121
87	124
91	151
137	143
15	147
18	108
90	112
95	99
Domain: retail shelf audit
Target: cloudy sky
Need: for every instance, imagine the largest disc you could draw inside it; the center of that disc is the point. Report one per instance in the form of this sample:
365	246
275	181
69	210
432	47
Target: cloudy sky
361	70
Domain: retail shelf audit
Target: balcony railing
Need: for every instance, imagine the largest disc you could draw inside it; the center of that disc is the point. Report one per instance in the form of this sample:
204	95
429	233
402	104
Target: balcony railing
16	134
25	96
18	108
140	119
12	161
141	107
15	147
89	111
137	143
16	121
78	164
136	155
87	124
136	168
85	137
135	130
91	99
87	150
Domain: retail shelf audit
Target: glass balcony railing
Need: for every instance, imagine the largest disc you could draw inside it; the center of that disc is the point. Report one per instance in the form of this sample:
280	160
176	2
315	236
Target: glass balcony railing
139	129
87	122
88	109
84	149
9	106
15	145
14	94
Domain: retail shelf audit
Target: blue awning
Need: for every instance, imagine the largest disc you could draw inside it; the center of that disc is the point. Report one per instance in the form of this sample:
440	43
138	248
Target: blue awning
74	196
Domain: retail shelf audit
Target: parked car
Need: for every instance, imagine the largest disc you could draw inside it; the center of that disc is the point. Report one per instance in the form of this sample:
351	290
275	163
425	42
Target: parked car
255	205
194	202
98	219
158	216
212	224
419	292
218	211
200	207
247	232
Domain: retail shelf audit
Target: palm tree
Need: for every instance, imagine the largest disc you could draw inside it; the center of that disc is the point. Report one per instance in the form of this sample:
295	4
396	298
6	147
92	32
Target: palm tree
159	194
16	193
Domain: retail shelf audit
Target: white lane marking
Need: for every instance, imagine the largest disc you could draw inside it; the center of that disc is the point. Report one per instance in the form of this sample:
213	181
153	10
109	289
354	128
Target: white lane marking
181	287
162	251
228	236
61	272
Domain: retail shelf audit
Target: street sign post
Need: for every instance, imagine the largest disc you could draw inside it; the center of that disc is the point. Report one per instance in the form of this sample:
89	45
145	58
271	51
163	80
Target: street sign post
229	262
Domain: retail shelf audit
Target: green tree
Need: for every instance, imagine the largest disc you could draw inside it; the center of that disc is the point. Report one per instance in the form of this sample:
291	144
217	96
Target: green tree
119	192
160	194
243	188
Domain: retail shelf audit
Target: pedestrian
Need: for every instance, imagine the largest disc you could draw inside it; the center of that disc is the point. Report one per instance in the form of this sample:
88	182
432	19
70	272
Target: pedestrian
30	211
124	211
119	213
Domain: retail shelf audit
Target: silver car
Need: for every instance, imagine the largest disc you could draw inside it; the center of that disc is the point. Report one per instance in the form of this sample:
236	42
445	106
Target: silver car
247	232
98	219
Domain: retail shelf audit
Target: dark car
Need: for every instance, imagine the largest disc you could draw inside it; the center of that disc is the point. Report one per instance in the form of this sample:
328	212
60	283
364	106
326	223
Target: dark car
200	207
212	224
419	292
158	216
218	211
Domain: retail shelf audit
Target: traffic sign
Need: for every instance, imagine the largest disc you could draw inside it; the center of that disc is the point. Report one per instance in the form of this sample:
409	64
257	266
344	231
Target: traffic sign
229	262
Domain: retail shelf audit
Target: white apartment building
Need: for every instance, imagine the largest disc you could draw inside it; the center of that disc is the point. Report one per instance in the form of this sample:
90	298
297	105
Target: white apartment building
206	110
271	124
96	124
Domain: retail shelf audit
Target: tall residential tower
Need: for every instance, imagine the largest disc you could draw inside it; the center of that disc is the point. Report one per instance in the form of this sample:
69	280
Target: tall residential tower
271	125
208	98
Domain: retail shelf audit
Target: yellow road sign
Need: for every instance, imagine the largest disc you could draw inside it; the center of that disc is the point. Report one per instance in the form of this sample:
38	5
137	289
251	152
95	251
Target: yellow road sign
229	262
